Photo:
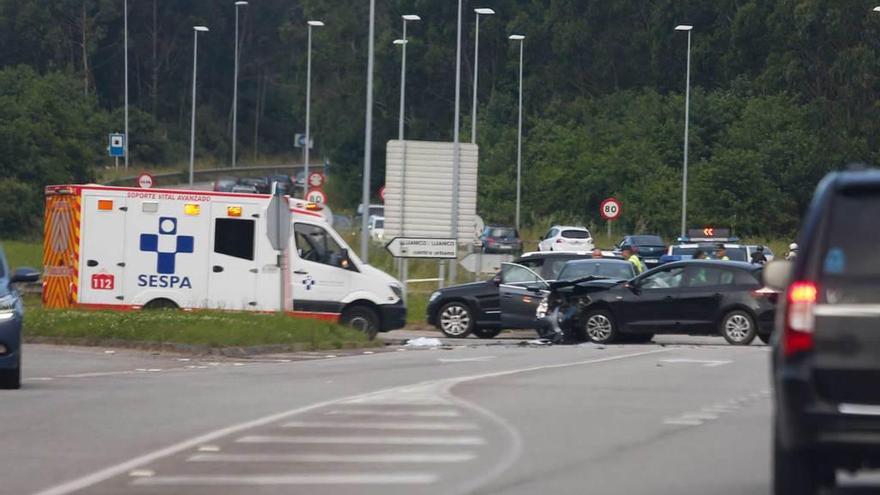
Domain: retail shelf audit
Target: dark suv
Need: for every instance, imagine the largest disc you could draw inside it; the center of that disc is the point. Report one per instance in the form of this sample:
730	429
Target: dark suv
826	353
11	313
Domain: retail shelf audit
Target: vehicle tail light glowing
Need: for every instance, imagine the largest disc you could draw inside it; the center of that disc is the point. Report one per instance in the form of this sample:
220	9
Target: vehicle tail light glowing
105	204
313	207
233	211
799	318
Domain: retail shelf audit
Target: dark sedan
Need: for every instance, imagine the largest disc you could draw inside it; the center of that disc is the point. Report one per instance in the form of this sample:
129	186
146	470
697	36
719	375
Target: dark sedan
501	239
686	297
649	247
475	308
11	314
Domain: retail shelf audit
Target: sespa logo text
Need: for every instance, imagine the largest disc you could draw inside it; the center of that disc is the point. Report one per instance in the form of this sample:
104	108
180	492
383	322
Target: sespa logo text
167	245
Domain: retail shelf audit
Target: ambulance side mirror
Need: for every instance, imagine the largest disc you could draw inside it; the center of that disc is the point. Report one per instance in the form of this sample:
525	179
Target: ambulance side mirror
345	260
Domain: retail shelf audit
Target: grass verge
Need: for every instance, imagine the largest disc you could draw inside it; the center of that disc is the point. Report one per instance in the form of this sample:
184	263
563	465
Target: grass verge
23	253
214	329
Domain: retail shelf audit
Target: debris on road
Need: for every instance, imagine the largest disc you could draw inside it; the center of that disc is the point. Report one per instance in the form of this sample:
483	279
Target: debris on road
424	342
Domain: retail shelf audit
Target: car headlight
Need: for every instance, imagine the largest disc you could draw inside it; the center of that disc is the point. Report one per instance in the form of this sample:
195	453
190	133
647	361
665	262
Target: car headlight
397	290
543	306
7	307
434	296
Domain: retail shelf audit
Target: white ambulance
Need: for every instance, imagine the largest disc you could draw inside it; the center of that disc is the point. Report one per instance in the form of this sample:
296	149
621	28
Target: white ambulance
127	248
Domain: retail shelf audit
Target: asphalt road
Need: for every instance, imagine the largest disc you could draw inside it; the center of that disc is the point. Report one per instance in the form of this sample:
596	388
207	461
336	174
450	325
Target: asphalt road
690	416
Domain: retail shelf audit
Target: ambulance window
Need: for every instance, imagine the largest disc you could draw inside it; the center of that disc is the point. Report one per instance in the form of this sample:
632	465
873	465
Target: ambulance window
234	237
314	244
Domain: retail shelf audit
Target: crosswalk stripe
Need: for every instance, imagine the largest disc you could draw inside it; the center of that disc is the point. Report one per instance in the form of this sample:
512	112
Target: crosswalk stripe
362	440
404	458
436	413
292	479
382	426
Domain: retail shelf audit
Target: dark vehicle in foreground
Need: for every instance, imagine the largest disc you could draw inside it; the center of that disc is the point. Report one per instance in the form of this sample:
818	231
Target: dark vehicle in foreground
649	247
11	315
501	239
475	308
826	350
688	297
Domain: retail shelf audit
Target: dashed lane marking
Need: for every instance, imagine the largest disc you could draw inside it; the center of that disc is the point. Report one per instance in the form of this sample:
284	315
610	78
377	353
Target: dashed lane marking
365	425
404	458
436	413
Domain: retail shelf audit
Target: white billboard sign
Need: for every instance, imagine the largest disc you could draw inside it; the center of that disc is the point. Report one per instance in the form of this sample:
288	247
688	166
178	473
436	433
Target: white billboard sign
418	177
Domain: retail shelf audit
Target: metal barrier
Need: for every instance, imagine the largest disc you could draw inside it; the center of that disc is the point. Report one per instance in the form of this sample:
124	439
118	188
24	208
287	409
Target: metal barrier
201	175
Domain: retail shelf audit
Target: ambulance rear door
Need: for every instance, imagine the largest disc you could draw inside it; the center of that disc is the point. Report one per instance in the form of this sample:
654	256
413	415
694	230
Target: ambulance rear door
102	259
234	267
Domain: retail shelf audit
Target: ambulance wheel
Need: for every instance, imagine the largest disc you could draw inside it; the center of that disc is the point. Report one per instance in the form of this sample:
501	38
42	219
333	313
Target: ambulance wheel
161	304
361	318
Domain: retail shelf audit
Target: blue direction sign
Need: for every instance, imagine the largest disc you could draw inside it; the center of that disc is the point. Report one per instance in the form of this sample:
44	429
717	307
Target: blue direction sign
117	145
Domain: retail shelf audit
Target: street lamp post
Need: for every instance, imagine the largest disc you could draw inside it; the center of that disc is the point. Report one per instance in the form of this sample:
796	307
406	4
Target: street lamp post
368	137
478	13
456	147
521	39
309	99
125	43
235	86
687	105
403	268
192	131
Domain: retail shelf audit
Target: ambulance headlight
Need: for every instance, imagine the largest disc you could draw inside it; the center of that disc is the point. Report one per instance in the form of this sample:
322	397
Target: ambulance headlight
7	308
397	290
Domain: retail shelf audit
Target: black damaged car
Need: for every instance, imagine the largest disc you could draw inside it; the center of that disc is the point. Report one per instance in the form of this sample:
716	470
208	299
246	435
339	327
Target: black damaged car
699	297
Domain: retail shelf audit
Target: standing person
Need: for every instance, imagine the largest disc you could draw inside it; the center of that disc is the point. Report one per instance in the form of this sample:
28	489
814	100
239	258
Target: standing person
721	252
629	255
758	257
597	253
792	251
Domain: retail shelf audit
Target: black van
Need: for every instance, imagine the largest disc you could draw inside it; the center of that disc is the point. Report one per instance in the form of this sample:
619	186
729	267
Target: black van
826	347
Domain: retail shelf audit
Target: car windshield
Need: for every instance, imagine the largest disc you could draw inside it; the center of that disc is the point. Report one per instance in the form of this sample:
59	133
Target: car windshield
734	253
575	234
502	232
647	240
575	270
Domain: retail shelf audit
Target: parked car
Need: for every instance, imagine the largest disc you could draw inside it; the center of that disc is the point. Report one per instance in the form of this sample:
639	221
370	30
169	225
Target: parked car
225	184
11	316
689	297
826	350
377	228
251	185
566	238
475	308
500	239
649	247
686	250
577	270
284	183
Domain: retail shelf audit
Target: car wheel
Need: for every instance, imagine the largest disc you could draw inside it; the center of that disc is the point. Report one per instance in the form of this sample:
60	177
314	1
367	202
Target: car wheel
486	333
361	318
794	472
738	328
600	327
10	379
456	320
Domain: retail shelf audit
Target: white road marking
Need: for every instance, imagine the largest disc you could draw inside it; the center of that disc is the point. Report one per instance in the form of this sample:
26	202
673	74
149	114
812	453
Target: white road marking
708	363
292	479
363	440
141	473
465	360
436	413
703	416
209	448
512	454
682	422
364	425
406	458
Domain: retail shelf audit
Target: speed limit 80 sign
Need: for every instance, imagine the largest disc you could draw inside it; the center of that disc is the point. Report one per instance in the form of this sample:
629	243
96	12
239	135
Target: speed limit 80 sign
610	209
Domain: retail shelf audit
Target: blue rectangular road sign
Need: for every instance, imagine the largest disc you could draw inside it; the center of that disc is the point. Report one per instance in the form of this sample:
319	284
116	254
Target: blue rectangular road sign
117	145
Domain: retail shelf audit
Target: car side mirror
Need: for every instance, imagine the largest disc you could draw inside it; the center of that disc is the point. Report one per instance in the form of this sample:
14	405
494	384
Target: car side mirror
777	274
24	275
633	285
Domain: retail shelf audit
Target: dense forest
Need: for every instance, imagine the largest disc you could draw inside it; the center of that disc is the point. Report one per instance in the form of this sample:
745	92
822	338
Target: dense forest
782	92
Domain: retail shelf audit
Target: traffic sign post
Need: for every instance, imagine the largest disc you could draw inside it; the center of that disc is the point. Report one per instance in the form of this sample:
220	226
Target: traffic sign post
610	211
316	180
278	231
422	247
299	141
116	147
145	180
316	196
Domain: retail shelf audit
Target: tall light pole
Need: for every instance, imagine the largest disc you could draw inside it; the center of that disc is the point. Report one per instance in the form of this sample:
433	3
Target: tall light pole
521	39
687	107
125	48
456	147
192	130
478	12
235	86
368	138
309	99
404	263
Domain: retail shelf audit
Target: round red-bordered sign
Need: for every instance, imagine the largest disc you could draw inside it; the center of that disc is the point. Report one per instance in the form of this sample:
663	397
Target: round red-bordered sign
316	196
382	193
316	180
145	180
610	209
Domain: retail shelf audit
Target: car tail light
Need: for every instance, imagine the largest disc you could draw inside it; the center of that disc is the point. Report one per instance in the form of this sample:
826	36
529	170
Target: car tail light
799	317
490	240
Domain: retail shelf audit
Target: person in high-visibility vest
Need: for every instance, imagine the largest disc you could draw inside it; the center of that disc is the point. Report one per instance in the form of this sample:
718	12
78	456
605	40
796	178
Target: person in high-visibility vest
629	255
721	252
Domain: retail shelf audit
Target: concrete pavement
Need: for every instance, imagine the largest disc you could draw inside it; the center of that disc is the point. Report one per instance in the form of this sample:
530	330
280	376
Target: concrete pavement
691	416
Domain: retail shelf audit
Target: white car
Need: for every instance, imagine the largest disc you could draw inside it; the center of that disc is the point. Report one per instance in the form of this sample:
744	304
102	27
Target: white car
566	238
377	228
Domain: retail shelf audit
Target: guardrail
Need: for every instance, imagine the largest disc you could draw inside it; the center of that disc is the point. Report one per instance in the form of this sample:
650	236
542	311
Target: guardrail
206	174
